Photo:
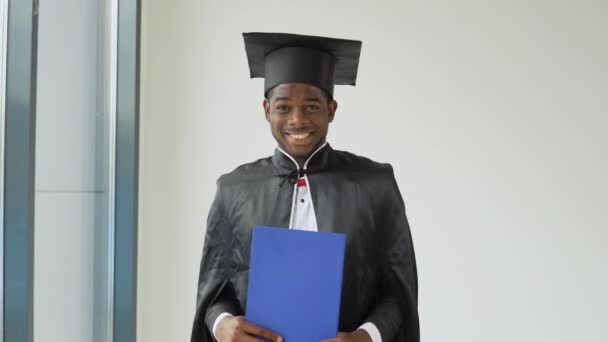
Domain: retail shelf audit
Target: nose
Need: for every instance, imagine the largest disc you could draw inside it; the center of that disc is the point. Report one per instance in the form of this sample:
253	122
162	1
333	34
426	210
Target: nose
297	118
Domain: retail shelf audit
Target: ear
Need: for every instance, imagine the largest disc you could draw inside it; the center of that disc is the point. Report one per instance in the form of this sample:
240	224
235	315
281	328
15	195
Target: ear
333	106
266	105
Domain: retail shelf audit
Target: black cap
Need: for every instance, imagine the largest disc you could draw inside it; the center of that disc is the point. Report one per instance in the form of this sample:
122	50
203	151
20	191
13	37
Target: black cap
293	58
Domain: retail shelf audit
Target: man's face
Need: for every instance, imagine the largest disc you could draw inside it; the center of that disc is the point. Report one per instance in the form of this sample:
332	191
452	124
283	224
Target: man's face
299	115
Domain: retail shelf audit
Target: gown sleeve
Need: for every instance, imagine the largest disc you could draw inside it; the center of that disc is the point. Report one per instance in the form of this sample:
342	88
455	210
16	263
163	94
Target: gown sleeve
215	291
396	312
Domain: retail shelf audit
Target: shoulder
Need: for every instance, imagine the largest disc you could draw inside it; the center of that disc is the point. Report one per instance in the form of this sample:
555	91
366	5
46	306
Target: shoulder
355	163
245	173
377	177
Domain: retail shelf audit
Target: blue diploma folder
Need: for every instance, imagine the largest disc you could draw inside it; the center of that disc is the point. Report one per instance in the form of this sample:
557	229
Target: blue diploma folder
295	283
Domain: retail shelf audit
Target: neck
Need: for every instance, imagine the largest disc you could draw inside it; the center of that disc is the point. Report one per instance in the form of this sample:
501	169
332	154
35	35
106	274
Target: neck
301	161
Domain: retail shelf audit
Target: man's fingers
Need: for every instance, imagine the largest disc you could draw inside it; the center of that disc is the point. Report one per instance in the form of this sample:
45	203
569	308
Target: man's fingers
248	338
253	329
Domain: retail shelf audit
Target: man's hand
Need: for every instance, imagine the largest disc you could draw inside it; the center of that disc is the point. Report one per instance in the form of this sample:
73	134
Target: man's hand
359	335
237	329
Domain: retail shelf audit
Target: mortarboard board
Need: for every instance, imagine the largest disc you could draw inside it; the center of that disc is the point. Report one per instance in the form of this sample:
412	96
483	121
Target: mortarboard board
293	58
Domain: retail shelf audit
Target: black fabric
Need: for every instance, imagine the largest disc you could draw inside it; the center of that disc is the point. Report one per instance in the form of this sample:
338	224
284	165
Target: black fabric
293	58
299	65
225	301
351	195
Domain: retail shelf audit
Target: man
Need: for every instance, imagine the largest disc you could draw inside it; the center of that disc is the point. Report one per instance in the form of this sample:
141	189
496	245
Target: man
308	185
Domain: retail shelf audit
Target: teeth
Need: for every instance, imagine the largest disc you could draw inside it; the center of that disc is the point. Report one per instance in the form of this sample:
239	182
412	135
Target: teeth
299	136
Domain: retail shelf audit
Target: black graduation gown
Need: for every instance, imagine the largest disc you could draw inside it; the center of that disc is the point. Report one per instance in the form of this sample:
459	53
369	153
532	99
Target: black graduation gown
351	195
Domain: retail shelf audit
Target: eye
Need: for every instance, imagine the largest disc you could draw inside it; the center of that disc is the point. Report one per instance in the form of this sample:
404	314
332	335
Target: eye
282	108
312	108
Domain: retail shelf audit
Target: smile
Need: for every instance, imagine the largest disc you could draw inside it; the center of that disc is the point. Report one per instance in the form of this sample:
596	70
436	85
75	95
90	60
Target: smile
299	136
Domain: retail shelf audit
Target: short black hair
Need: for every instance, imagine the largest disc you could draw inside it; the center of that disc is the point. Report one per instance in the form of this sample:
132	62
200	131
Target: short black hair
327	96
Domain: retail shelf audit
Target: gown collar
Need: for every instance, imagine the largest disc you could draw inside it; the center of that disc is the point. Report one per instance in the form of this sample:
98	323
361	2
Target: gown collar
286	164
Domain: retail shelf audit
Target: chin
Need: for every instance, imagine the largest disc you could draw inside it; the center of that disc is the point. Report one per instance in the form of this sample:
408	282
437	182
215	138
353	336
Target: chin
300	152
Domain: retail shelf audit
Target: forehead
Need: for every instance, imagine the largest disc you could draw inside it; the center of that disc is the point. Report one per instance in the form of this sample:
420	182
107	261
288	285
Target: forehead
296	90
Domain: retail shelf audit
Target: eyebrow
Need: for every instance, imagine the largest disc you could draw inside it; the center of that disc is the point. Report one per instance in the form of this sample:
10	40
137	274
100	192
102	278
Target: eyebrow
309	99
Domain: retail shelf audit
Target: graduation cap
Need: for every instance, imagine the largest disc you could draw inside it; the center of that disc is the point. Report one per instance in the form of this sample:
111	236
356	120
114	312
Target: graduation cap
293	58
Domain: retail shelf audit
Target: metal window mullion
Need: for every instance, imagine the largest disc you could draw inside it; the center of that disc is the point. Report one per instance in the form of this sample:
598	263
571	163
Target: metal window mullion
126	172
111	98
3	40
19	170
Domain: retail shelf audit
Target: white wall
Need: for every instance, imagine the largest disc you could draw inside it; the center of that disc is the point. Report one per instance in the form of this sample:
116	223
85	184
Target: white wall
493	114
